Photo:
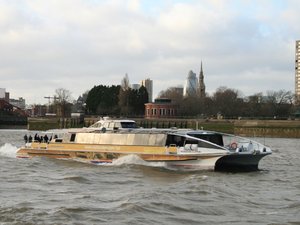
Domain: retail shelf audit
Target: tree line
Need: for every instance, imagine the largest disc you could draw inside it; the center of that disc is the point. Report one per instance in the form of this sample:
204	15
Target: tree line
121	100
230	103
115	100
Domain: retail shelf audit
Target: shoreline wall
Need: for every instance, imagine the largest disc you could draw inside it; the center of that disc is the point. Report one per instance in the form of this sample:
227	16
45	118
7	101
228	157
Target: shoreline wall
246	128
13	122
249	128
268	128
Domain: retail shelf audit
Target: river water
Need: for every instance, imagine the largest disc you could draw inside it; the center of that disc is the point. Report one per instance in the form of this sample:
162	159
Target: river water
51	191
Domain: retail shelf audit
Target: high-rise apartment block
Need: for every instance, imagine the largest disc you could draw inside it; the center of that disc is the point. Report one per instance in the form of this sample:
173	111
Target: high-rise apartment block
148	84
297	70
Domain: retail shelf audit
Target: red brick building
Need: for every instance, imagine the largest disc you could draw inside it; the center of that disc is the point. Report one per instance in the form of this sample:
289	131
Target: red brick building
5	106
161	108
8	109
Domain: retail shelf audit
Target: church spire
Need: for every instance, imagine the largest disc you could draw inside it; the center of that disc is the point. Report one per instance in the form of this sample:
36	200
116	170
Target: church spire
201	70
201	83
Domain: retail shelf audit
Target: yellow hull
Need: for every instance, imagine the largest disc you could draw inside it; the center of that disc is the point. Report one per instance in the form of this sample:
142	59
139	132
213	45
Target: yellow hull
108	153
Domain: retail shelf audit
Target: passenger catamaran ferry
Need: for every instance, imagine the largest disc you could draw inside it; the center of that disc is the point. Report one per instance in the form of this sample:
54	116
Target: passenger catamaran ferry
178	148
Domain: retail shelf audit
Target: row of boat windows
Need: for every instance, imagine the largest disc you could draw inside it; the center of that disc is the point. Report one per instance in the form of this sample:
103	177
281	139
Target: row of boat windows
175	140
113	125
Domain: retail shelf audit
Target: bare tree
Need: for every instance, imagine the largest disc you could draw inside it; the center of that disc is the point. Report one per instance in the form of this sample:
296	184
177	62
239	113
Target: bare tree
124	95
254	105
62	99
125	85
227	102
173	93
279	102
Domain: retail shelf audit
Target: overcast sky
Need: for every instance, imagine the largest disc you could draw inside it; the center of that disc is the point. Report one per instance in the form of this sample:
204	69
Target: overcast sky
75	44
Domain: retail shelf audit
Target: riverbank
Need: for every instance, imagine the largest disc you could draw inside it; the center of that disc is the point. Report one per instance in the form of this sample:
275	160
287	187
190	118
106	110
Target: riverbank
249	128
268	128
13	122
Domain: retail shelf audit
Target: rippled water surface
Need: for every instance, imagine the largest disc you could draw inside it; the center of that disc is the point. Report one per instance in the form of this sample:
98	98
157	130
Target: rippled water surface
50	191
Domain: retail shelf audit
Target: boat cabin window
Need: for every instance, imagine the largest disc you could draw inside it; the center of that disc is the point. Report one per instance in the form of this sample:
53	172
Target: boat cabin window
214	138
200	143
72	139
128	125
190	141
96	125
106	124
118	124
175	140
182	141
111	125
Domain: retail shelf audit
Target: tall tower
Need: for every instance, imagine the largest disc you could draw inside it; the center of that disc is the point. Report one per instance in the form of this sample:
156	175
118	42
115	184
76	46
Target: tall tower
190	87
297	71
2	93
201	87
148	84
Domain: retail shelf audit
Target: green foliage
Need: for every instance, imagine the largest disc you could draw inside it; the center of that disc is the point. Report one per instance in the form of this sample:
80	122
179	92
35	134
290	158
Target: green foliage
114	100
142	98
103	100
132	102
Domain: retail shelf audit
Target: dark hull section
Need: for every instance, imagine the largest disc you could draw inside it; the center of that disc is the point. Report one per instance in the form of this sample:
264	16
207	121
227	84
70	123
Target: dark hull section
239	162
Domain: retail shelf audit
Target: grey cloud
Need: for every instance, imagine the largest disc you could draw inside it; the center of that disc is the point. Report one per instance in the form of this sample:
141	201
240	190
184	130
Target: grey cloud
78	44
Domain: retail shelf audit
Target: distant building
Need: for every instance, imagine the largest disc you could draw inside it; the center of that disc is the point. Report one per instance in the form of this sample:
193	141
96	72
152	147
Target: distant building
194	87
148	84
201	87
8	109
135	86
7	96
37	111
161	108
5	106
4	95
190	87
178	90
20	103
297	70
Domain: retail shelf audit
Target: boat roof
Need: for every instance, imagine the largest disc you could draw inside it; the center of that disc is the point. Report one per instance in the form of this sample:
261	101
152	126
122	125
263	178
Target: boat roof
174	131
107	120
115	120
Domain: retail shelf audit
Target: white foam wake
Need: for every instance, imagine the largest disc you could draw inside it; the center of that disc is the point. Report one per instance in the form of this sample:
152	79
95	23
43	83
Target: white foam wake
8	150
135	160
